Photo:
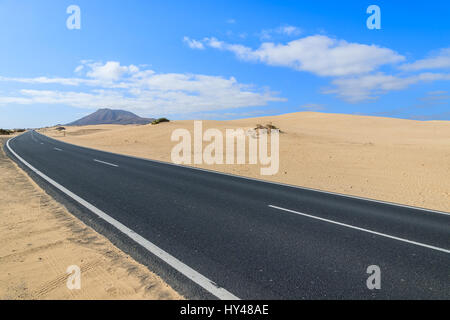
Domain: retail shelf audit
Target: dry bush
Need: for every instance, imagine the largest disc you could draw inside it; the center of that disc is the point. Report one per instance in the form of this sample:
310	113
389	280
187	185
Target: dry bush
269	127
4	132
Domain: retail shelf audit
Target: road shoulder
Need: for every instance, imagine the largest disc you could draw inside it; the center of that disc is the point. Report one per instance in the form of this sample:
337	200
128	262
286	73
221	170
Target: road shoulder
41	239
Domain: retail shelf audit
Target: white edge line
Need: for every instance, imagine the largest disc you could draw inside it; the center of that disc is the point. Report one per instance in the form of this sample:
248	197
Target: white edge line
107	163
362	229
57	149
258	180
187	271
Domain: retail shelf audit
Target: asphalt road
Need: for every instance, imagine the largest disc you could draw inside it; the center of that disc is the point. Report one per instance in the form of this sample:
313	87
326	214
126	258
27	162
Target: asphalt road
252	239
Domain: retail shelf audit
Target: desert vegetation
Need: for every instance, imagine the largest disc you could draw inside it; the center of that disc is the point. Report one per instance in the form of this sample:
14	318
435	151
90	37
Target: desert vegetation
269	127
160	120
7	132
4	132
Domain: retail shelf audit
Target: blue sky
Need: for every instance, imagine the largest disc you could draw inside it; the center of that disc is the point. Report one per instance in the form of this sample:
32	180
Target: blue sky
222	59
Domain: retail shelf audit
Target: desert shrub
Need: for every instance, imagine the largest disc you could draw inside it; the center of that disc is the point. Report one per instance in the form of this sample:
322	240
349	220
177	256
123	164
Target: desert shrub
60	128
269	127
19	130
160	120
5	132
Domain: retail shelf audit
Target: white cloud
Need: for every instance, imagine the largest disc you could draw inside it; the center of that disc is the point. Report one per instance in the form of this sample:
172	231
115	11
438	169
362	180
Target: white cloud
289	30
110	71
317	54
286	30
13	100
368	87
79	68
440	60
353	67
45	80
150	93
214	43
193	44
437	92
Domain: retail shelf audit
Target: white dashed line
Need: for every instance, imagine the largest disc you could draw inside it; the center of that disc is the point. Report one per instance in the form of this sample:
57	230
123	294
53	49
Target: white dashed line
107	163
364	230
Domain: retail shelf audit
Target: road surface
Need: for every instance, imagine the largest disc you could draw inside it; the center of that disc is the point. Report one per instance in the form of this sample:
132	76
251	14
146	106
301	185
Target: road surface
238	238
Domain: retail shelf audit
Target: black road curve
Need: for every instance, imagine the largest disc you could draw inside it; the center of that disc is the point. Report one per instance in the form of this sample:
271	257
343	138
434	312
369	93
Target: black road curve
258	240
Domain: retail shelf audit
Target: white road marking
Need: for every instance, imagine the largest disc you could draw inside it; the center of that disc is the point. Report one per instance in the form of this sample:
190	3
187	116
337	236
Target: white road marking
190	273
362	229
33	138
57	149
109	164
42	143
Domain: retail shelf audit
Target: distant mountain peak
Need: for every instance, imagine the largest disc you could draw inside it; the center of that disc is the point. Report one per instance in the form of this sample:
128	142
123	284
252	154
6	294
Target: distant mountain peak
110	116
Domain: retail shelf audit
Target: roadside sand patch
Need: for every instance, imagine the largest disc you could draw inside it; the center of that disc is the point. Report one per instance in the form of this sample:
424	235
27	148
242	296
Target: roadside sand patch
402	161
40	239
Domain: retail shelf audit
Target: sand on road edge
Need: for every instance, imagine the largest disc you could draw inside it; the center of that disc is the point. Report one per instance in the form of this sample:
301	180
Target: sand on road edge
41	239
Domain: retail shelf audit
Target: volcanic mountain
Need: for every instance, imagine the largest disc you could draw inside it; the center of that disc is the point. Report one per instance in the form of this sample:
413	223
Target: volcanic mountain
109	116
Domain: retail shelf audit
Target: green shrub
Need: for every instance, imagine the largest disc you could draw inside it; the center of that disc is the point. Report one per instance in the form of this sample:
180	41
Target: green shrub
160	120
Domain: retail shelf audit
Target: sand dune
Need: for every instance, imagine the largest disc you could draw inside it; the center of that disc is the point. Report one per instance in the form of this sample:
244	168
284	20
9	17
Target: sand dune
394	160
